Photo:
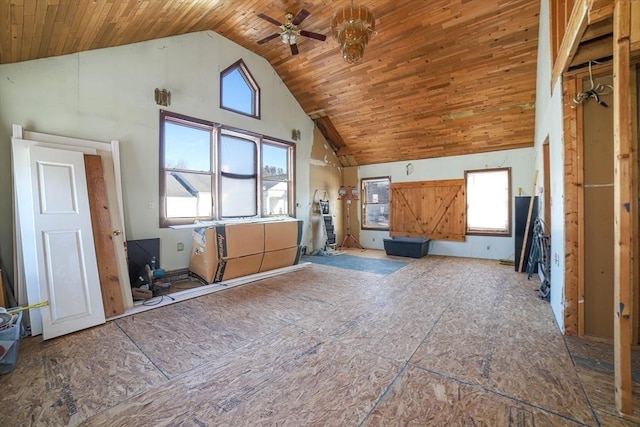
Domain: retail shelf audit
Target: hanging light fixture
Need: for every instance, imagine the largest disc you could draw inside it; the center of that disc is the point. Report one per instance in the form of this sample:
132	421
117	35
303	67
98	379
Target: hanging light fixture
352	27
290	31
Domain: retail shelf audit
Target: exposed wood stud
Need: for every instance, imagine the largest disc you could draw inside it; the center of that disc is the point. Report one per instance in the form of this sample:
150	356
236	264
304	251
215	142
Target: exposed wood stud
112	298
625	206
528	224
573	300
574	31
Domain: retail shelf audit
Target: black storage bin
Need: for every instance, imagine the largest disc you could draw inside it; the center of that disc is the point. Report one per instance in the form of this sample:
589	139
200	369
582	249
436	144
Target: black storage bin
414	247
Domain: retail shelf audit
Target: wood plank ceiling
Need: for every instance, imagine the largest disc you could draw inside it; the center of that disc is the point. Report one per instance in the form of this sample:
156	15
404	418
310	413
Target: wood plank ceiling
440	78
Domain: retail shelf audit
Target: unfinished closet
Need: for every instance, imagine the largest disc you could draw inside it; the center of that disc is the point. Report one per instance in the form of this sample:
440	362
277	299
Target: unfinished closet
590	154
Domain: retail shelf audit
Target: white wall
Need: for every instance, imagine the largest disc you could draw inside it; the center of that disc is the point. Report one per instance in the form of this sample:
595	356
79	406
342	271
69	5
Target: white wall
549	123
108	94
522	170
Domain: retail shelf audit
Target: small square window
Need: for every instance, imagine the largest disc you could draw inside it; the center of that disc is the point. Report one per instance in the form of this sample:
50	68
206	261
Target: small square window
375	203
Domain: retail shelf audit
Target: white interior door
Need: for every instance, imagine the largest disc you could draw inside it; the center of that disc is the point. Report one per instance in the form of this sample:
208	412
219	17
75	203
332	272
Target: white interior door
27	285
67	268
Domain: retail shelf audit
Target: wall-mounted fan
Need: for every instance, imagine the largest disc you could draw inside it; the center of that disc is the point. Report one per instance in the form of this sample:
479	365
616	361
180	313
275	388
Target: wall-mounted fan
289	30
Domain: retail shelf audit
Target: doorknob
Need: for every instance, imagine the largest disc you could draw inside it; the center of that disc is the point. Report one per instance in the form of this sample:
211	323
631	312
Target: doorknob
116	232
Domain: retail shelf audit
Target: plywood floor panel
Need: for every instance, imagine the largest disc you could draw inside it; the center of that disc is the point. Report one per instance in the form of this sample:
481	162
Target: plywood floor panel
594	365
421	398
494	347
180	337
271	381
324	283
66	380
276	302
442	341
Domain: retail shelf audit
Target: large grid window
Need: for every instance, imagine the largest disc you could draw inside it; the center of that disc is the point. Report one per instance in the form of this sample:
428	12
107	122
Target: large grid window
489	201
375	203
209	172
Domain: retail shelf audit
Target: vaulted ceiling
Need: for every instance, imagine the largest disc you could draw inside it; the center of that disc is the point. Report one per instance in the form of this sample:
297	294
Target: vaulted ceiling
440	77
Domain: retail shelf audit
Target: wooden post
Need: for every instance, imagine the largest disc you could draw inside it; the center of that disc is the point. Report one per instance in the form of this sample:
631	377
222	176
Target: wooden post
625	206
112	299
528	225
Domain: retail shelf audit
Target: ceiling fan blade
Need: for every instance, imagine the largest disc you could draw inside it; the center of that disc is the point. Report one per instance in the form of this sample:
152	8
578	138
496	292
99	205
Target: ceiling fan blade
271	37
270	19
294	49
301	16
313	35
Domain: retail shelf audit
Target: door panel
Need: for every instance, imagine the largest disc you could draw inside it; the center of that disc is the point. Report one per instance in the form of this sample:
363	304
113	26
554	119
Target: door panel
103	237
68	272
433	209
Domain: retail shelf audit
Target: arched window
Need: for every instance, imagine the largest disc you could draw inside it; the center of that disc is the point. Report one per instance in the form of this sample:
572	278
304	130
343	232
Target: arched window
239	92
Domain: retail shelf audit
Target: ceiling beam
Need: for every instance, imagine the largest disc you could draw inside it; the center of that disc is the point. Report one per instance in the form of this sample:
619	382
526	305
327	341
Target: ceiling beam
592	51
574	31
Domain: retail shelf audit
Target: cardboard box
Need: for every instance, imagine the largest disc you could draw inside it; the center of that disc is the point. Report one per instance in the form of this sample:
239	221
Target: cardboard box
225	252
210	245
282	234
280	258
237	240
204	256
231	268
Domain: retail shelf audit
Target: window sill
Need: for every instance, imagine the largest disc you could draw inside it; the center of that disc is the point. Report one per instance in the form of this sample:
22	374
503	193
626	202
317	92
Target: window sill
204	224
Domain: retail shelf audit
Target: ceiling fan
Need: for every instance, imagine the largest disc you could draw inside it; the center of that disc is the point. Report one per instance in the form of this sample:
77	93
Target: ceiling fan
289	30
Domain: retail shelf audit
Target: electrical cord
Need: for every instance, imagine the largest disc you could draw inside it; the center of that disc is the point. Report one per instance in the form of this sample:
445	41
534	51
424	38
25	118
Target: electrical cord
157	300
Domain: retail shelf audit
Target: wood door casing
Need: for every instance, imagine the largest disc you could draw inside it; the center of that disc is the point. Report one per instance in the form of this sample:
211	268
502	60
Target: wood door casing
432	209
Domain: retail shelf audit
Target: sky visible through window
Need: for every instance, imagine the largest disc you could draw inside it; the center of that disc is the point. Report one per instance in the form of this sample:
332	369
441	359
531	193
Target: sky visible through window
236	93
189	148
275	157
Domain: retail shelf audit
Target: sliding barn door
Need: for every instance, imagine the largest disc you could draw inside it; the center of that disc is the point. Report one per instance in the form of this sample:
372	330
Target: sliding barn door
433	209
67	268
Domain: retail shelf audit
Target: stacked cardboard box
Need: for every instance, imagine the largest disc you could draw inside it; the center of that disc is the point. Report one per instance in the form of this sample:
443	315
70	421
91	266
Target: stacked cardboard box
228	251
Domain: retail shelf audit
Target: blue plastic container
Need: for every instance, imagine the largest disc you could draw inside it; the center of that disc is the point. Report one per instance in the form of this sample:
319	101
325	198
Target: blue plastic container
11	334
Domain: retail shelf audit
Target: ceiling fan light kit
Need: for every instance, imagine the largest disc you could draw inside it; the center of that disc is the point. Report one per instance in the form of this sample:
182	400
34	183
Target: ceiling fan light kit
352	27
289	31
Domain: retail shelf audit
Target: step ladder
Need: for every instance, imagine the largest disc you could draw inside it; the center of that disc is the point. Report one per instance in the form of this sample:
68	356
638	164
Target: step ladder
329	232
321	197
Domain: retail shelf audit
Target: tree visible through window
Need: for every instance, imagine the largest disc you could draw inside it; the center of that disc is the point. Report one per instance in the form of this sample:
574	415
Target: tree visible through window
186	166
275	178
375	203
489	201
208	172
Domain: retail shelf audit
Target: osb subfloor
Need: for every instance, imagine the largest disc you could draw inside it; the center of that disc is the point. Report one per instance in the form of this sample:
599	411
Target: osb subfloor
442	341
